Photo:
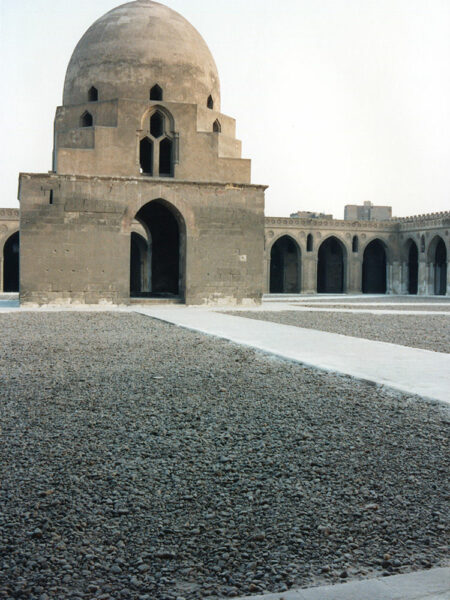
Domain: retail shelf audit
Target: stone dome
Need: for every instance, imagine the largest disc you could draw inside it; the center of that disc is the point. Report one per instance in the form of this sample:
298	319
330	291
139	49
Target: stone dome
139	45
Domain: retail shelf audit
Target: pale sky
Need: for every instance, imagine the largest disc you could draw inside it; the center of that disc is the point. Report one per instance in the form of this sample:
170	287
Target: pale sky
336	101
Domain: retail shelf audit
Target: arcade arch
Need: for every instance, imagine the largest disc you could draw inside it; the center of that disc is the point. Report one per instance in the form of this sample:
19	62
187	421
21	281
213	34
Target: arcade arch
331	267
412	256
374	270
285	266
11	263
437	259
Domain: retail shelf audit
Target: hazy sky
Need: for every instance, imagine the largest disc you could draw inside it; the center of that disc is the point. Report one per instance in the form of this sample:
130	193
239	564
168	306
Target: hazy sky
336	101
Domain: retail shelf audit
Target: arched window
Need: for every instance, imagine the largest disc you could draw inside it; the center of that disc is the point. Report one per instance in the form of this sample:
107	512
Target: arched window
156	93
93	94
422	244
217	128
158	152
146	156
309	243
86	119
355	244
165	157
210	102
157	125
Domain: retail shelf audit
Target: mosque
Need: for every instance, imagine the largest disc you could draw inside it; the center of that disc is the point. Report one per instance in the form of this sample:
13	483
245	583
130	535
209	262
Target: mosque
149	198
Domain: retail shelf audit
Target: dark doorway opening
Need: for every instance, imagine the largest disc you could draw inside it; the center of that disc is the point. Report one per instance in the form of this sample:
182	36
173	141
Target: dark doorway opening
374	280
285	264
11	260
413	268
330	267
440	269
139	253
165	261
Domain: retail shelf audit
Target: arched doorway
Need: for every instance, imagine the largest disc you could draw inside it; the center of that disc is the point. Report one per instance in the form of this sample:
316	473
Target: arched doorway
285	266
439	259
11	259
139	255
374	280
413	267
165	257
331	267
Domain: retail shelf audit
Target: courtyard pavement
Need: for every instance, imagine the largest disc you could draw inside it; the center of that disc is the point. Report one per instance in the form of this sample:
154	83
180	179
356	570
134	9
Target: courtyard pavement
423	585
409	370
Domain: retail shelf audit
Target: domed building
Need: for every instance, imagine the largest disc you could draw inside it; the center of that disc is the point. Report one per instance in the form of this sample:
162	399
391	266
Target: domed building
149	195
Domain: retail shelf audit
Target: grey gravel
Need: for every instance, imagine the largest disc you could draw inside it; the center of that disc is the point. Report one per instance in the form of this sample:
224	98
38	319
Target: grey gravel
430	332
143	461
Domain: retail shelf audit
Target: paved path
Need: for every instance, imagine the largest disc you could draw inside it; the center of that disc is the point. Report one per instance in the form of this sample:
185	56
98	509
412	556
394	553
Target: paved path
409	370
424	585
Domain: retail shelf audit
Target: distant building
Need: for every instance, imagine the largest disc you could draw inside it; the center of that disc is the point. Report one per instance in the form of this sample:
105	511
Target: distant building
306	214
367	212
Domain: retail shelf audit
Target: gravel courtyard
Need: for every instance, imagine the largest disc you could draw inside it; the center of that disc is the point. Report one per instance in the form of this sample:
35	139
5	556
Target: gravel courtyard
143	461
430	332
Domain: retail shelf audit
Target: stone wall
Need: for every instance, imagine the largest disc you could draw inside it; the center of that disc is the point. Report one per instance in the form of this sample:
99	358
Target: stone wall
76	230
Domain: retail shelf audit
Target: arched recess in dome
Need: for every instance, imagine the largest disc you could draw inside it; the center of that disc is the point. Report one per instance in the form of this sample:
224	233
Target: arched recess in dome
93	94
156	93
86	119
167	251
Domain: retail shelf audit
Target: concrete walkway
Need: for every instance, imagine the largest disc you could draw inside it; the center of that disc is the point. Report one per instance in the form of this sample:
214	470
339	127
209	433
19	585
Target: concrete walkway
409	370
423	585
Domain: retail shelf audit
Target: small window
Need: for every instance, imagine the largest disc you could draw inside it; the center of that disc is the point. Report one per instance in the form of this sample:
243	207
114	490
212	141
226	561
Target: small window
309	243
217	128
157	125
86	120
165	157
355	244
146	156
93	94
210	102
422	244
156	93
51	197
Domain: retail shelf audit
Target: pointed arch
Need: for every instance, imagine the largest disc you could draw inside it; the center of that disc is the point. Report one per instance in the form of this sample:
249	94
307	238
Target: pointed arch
167	230
437	259
217	127
156	93
146	156
374	270
412	261
93	94
11	263
285	266
210	103
86	119
331	266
